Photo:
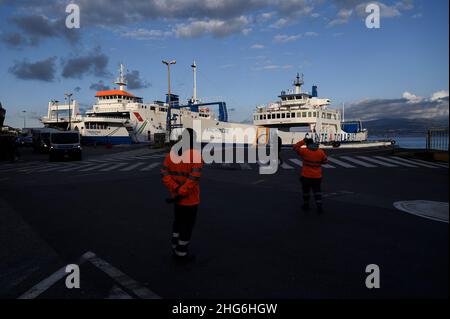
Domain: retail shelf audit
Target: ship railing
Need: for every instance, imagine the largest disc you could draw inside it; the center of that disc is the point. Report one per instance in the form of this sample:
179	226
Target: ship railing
437	139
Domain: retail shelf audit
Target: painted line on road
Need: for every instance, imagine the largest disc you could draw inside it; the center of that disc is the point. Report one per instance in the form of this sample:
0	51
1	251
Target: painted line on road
341	163
113	167
48	282
373	160
394	161
117	293
284	165
357	161
296	161
245	166
118	276
150	167
413	162
129	168
258	182
430	163
93	168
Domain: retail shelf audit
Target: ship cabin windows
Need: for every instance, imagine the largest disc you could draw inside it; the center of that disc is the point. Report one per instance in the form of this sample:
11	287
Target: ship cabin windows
278	115
293	114
96	126
309	114
283	115
328	116
304	114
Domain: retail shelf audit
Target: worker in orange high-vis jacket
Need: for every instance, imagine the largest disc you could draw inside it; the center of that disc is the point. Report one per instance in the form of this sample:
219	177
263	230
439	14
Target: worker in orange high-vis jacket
181	174
311	176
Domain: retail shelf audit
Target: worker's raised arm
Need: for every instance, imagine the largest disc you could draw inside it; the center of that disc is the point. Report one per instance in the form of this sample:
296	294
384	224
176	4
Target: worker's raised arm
167	179
298	147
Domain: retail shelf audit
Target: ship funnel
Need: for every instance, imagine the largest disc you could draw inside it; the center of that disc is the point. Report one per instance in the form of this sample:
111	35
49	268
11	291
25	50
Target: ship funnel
314	91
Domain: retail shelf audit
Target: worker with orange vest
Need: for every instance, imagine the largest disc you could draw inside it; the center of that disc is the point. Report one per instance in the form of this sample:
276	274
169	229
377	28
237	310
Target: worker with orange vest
181	174
311	176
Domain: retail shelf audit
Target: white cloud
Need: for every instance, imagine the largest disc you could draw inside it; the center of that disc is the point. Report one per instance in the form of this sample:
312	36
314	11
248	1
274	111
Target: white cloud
258	46
146	34
284	38
412	98
343	17
439	95
218	28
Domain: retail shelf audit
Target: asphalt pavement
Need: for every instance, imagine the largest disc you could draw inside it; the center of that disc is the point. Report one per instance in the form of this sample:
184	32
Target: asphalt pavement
108	214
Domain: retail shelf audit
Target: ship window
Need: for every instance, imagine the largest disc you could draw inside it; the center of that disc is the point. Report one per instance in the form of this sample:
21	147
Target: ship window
309	114
293	114
283	115
264	117
288	115
278	115
299	114
152	108
304	114
329	116
323	115
315	114
335	116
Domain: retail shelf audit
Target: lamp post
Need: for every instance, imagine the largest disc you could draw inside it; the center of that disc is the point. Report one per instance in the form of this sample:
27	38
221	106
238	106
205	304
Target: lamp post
24	119
169	116
69	96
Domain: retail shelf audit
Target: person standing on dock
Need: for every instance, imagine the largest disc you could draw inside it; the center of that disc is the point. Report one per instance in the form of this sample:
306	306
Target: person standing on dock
181	174
311	176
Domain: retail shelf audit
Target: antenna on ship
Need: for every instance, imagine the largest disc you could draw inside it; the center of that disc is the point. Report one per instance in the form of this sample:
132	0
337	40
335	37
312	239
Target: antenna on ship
121	81
194	71
298	84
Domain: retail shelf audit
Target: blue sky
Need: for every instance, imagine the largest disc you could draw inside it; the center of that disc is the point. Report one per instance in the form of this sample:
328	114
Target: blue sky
246	51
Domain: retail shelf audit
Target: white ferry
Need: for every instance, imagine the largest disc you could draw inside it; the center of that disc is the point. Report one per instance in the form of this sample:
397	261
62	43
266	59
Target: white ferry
298	114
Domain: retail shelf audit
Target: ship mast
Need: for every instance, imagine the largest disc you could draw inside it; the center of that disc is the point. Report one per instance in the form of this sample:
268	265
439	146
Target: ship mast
194	71
121	81
298	84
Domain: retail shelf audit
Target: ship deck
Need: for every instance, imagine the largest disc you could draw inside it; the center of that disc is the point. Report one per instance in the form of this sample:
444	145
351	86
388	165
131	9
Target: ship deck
251	240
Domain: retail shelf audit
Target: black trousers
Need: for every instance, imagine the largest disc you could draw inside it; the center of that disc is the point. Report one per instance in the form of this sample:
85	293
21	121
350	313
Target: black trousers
183	225
314	184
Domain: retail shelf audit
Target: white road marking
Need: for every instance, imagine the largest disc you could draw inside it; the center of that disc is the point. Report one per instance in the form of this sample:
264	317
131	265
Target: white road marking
413	162
341	163
117	293
245	166
258	182
45	167
391	160
296	161
93	168
130	168
357	161
121	278
430	163
75	167
284	165
113	167
373	160
150	167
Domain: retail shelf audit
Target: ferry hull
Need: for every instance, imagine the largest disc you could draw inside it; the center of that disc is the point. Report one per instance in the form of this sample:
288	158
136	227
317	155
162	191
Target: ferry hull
114	140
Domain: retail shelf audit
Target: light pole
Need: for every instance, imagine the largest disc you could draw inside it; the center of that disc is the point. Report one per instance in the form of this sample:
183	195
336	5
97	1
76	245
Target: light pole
24	119
69	95
169	116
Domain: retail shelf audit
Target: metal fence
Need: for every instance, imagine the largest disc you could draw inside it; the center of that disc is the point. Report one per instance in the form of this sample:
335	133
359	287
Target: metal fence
437	139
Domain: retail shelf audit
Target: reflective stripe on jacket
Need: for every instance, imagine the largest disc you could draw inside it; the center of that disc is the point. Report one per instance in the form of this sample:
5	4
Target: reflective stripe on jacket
312	160
181	175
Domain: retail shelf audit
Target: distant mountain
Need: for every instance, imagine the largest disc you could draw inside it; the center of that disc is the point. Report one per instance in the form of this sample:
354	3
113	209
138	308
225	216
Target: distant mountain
403	127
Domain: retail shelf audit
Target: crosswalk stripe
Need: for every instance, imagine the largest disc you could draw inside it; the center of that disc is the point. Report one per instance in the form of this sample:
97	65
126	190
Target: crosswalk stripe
373	160
430	163
39	167
50	169
245	166
394	161
93	168
113	167
341	163
296	161
150	167
74	167
284	165
413	162
129	168
357	161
